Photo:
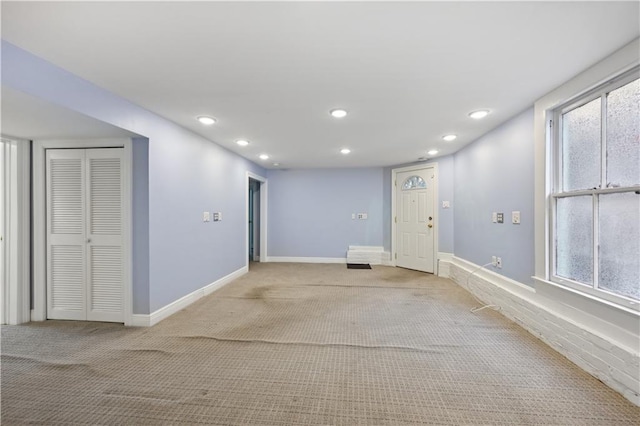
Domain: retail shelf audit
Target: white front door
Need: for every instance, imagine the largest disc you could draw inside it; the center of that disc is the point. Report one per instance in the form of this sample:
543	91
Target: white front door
415	224
85	276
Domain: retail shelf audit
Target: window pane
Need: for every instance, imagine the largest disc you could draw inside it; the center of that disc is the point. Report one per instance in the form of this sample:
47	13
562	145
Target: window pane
581	147
620	243
623	135
574	238
414	182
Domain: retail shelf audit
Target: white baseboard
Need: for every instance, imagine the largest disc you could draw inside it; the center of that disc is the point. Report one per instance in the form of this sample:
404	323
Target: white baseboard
444	264
140	320
143	320
580	336
307	259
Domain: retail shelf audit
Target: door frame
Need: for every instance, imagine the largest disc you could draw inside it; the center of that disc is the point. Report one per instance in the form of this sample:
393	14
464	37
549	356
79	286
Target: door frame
16	282
39	312
394	173
263	216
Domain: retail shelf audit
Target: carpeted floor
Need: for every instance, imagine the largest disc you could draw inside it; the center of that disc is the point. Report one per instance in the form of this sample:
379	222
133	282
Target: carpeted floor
304	344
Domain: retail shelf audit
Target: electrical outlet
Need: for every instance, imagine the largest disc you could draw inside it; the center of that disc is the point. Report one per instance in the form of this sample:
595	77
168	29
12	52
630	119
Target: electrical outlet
217	216
515	217
500	217
362	216
499	262
494	261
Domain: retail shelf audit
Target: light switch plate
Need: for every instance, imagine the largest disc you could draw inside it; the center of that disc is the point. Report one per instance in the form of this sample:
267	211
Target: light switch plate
446	205
494	217
206	217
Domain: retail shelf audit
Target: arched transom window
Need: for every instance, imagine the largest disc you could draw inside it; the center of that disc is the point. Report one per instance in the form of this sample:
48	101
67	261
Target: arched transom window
414	182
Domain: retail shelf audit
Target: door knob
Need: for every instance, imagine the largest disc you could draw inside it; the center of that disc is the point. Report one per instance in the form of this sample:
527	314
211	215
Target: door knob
430	225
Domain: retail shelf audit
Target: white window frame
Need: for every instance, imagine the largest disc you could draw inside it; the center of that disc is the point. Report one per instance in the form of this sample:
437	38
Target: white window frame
617	64
558	192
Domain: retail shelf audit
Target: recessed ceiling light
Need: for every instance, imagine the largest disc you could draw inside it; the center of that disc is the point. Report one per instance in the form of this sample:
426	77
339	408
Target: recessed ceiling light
432	152
338	113
276	164
264	157
449	138
345	151
207	121
482	113
242	142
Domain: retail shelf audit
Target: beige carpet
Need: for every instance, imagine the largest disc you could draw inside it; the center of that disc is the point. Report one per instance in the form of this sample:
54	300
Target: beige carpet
304	344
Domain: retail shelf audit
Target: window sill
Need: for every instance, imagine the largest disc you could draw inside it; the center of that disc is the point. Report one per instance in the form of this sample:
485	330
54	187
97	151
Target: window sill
631	308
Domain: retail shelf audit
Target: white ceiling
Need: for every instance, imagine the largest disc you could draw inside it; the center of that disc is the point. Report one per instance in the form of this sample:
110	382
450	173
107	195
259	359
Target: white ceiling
407	72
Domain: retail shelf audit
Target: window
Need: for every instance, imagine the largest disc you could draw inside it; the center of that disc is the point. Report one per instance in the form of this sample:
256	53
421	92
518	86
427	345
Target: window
595	199
414	182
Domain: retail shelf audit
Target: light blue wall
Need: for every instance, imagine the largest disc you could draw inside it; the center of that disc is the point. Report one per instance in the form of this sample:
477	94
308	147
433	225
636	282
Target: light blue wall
445	193
310	211
187	176
446	179
140	219
495	174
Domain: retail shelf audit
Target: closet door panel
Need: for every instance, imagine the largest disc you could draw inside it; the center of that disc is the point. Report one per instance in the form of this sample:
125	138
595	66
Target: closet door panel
66	239
105	240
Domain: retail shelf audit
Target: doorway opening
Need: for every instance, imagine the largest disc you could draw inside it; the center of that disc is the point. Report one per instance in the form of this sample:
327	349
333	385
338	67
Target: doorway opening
15	228
256	218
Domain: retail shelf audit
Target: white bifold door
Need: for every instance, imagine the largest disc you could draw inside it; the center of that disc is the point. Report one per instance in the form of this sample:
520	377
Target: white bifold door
85	192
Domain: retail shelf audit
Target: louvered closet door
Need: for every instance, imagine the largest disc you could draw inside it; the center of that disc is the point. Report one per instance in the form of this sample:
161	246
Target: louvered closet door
85	278
66	241
104	232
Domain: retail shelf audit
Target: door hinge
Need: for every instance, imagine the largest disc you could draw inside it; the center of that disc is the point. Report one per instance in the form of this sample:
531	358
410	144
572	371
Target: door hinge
396	255
551	124
395	183
395	219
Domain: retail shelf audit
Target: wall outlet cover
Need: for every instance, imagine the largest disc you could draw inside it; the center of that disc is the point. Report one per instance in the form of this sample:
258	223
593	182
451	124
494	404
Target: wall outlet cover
500	217
515	217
